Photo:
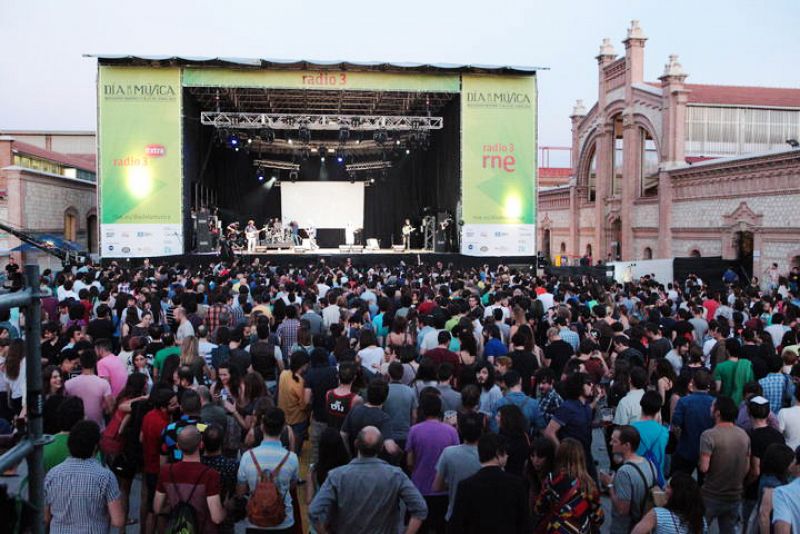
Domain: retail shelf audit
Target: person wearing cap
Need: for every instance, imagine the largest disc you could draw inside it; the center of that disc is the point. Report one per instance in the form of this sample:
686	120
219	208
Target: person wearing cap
762	435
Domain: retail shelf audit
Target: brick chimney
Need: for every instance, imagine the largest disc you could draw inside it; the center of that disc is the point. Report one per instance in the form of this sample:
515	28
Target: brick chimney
606	56
674	96
634	54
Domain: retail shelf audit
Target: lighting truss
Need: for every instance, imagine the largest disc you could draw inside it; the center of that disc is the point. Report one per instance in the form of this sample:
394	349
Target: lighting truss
291	121
276	164
368	166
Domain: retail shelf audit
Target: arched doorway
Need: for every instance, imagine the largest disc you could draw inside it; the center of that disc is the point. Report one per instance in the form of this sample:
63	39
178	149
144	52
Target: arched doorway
546	243
91	233
744	250
647	254
615	240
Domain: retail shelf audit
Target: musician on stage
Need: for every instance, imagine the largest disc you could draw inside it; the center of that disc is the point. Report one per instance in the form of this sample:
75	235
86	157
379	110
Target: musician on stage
407	231
251	233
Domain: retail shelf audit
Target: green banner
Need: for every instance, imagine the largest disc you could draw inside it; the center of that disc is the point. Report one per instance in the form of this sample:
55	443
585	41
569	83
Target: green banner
140	145
334	80
498	149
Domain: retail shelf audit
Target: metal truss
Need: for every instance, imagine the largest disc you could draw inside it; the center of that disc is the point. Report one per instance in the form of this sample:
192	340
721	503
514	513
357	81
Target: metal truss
368	166
276	164
293	121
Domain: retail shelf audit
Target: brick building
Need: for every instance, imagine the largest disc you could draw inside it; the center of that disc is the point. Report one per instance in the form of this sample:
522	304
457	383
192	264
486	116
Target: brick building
47	187
671	169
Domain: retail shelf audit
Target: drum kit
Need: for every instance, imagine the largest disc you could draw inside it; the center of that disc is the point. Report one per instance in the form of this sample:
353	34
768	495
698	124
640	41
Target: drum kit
274	235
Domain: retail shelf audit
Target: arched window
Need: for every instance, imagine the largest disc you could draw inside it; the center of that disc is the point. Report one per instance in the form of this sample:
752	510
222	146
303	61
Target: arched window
589	250
563	248
617	158
591	176
70	224
648	165
647	253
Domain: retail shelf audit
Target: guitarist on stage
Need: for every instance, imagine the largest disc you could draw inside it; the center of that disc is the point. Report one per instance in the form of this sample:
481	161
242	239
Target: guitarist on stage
251	233
407	231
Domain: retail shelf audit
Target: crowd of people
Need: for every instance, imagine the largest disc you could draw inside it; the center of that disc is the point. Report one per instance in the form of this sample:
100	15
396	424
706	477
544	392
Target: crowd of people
425	398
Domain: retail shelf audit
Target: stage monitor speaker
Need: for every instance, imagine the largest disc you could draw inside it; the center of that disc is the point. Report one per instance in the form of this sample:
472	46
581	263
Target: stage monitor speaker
372	244
357	249
202	233
398	248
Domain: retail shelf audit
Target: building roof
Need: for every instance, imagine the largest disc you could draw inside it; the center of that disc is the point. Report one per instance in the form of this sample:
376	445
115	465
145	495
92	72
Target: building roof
81	133
739	95
705	162
86	162
303	64
555	172
779	97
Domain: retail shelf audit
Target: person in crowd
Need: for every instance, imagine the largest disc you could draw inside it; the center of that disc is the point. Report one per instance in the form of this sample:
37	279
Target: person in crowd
165	403
692	417
784	501
490	392
629	409
95	392
653	436
80	494
451	399
225	466
341	399
789	420
400	405
364	496
458	462
761	437
68	414
320	378
426	441
684	512
189	480
573	419
724	462
292	397
732	374
491	500
371	413
569	499
546	394
268	456
332	454
534	422
631	484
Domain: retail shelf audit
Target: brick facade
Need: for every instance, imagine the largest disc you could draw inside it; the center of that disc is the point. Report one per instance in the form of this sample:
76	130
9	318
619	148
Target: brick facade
637	193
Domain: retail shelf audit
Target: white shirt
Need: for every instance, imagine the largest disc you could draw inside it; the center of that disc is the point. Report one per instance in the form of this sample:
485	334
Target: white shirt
547	300
371	358
674	358
776	332
629	410
789	424
330	315
430	341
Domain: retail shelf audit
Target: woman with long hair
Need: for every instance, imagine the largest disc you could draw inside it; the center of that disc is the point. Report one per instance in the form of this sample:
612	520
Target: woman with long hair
15	375
292	399
139	362
490	392
665	384
467	356
53	397
513	427
370	355
131	319
683	513
399	336
190	357
569	501
426	376
112	442
542	464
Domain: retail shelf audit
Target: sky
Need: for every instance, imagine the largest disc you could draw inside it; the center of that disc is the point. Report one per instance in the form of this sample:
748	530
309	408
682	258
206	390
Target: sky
46	83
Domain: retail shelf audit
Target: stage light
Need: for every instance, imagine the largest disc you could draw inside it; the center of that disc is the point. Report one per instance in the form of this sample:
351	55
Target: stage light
249	141
408	152
339	159
233	141
322	158
260	174
322	152
372	180
397	142
273	179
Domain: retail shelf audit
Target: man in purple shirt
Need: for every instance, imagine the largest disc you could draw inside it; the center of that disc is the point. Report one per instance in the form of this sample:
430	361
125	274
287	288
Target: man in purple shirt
425	443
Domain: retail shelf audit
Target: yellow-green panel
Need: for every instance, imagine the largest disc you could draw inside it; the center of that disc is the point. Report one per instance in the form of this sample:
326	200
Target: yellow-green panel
335	80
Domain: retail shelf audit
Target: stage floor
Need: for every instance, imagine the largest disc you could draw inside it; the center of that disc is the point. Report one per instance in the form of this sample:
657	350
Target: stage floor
329	252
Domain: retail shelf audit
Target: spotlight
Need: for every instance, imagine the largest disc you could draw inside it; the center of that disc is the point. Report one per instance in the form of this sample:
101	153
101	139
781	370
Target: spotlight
322	153
340	155
304	134
233	141
372	180
397	142
339	159
260	174
408	151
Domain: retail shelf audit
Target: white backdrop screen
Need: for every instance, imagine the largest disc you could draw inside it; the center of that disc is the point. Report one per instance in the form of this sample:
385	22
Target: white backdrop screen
323	204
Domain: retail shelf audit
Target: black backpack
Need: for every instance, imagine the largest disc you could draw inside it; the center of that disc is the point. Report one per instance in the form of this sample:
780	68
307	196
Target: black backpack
182	517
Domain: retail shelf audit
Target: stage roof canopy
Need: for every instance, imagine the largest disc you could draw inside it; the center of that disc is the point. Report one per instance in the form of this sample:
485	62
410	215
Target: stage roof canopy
306	64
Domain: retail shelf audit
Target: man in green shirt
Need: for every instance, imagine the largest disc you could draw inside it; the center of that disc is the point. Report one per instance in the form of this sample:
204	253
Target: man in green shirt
69	412
732	374
170	349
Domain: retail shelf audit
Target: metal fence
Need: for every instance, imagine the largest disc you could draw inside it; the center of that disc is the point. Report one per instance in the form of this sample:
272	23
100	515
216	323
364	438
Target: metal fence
31	446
